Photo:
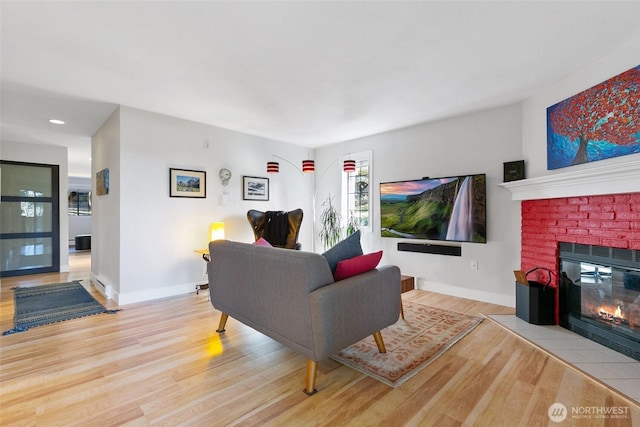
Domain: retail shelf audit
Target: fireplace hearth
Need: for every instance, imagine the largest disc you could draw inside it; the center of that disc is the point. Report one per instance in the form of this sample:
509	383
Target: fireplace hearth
600	295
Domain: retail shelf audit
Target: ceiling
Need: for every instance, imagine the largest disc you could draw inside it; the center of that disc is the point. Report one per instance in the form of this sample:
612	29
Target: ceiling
306	72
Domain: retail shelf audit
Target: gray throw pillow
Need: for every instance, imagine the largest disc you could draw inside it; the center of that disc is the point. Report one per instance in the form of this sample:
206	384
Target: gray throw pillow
345	249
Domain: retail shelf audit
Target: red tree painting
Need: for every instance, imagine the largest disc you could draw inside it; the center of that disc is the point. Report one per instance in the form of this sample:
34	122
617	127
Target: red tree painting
608	114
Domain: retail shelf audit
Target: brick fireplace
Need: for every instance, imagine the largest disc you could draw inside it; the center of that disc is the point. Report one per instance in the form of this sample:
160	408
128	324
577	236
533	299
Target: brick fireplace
585	228
591	208
603	220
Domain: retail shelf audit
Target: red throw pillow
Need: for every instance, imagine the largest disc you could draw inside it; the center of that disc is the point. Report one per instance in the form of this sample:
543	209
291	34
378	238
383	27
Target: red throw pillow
262	242
357	265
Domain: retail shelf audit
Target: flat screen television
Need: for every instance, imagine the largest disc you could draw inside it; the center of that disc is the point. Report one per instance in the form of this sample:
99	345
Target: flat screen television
450	208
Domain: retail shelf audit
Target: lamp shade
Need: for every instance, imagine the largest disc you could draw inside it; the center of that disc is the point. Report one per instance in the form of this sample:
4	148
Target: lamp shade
349	166
273	167
216	231
308	166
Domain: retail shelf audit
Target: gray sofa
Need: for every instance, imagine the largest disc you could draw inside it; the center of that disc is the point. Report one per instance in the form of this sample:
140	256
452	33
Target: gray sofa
291	297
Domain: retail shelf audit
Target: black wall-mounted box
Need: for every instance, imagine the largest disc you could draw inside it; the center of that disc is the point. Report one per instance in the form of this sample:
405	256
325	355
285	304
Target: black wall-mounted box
513	171
428	248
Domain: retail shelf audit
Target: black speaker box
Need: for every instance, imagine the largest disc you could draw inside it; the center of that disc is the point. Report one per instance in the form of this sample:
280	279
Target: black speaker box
428	248
513	171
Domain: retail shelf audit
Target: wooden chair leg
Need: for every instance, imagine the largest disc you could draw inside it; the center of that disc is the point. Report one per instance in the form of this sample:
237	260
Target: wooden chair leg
312	370
379	342
223	322
401	310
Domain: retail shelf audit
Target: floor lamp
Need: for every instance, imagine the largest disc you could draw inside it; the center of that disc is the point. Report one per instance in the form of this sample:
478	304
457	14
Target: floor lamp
308	166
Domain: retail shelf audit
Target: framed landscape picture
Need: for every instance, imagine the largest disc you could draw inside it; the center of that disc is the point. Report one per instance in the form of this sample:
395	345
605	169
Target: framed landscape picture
187	183
255	188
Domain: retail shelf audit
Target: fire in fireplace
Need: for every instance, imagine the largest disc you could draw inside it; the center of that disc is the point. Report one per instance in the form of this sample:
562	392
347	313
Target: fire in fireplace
615	317
600	295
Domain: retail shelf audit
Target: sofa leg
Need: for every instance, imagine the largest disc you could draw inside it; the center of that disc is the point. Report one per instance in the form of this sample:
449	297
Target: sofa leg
223	322
379	342
312	370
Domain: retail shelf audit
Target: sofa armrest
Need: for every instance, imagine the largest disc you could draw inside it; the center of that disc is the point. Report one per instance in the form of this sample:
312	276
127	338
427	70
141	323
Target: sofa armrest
347	311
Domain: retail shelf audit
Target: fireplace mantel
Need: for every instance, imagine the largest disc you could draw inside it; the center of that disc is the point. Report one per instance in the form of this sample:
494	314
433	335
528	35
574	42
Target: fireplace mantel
599	180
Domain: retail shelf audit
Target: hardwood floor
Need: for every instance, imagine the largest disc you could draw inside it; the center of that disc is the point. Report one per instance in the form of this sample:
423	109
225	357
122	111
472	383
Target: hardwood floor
162	363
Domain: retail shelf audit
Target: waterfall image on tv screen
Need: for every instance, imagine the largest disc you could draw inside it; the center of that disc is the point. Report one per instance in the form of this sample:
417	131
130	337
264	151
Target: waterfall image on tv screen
451	208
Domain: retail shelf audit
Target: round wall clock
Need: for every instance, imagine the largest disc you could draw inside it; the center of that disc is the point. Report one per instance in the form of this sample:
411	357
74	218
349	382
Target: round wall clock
225	175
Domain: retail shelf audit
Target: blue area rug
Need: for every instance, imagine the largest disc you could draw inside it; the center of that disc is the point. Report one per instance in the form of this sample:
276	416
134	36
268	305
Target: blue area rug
42	305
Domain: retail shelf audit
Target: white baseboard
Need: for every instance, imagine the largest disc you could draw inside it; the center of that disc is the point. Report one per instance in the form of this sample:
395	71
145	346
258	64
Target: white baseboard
156	293
109	291
474	294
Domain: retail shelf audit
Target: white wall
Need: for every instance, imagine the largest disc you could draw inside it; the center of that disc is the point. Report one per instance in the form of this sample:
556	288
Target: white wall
470	144
50	155
78	224
534	138
157	234
105	213
145	238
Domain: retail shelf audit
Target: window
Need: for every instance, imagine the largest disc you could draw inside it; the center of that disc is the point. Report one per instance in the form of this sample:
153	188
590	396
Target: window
356	193
79	203
31	209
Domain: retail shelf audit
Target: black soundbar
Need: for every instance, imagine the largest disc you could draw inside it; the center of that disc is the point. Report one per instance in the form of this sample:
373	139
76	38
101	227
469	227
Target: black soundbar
428	248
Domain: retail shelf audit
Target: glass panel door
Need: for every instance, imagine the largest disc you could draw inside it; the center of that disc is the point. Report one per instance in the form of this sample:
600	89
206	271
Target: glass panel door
29	225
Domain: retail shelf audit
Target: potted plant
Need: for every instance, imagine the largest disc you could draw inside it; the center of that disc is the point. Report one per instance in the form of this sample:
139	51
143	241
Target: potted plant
352	225
330	224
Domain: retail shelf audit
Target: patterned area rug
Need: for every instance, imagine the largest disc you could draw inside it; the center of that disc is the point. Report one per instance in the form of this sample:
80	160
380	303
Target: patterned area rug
41	305
412	344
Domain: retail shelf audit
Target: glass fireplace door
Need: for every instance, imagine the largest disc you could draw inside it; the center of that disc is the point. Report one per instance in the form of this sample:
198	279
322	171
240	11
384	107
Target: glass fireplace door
605	295
29	219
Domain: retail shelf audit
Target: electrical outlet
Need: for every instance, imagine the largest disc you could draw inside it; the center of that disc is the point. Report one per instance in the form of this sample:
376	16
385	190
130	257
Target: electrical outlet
474	265
205	144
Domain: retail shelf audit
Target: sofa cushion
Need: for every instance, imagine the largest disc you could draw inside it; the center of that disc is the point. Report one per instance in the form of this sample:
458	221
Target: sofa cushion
345	249
357	265
262	242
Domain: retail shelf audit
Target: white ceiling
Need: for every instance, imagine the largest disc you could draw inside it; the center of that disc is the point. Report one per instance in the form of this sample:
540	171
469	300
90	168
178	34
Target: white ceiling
305	72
